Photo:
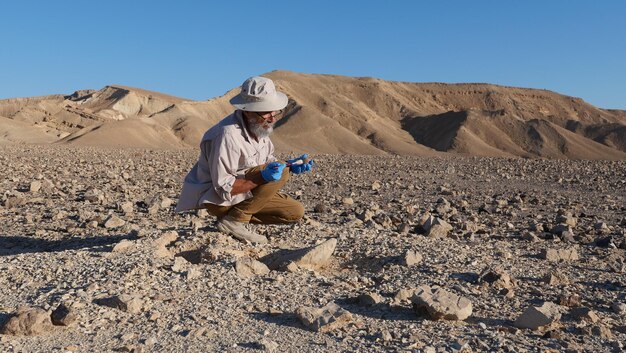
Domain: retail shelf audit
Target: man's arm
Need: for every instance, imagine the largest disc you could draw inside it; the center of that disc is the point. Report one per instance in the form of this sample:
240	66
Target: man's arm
242	185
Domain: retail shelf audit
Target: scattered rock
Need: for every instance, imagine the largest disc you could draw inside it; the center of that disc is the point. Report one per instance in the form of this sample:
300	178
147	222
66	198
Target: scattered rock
113	222
535	317
619	308
35	186
411	258
370	299
123	246
63	316
28	322
247	267
558	255
583	313
441	304
497	277
124	302
311	258
556	278
327	318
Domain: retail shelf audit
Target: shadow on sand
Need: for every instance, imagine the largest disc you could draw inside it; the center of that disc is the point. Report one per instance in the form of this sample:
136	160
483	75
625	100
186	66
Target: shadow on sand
14	245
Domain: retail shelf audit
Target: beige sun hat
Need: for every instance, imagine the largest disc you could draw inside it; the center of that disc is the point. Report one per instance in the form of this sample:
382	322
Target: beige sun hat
258	94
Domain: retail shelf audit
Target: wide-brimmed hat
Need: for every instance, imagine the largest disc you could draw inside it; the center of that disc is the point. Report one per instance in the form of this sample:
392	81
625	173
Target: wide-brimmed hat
258	94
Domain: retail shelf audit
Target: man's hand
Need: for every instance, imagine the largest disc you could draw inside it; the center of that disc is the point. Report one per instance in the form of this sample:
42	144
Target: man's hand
273	171
300	164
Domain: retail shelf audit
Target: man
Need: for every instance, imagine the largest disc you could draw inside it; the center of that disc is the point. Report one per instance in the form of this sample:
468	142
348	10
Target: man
237	178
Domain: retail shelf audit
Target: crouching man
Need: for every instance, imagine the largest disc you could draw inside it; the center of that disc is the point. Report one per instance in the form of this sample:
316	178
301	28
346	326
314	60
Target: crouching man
237	178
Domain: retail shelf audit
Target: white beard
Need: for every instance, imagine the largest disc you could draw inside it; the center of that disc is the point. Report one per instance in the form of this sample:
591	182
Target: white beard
261	130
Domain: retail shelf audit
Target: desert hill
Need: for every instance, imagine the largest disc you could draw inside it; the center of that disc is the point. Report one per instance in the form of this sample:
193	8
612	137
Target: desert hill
337	114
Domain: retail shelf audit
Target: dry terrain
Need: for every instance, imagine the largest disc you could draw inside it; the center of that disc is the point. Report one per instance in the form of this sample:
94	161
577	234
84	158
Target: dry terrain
89	236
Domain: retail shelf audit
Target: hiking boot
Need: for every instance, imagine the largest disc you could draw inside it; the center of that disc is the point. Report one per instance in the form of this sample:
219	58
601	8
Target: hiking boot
238	231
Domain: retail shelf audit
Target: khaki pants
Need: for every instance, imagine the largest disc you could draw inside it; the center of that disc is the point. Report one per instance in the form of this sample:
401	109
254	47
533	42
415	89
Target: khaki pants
266	206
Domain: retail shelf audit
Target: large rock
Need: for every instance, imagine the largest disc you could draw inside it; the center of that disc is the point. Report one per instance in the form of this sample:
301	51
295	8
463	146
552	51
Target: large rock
441	304
311	258
247	267
535	317
28	322
325	319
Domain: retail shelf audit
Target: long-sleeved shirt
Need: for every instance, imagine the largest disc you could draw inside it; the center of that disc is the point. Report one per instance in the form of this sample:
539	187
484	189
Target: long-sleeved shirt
226	151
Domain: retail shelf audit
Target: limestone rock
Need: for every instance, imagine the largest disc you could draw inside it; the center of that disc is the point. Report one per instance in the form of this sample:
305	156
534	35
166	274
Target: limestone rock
369	299
535	317
558	255
582	313
310	258
497	277
441	304
28	322
123	246
124	302
556	278
411	258
247	267
113	222
35	186
327	318
63	316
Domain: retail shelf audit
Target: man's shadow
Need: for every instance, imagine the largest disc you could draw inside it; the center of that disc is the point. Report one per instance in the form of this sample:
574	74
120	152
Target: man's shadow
19	244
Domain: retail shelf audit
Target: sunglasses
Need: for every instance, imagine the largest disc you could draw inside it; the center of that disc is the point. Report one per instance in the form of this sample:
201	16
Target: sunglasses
266	115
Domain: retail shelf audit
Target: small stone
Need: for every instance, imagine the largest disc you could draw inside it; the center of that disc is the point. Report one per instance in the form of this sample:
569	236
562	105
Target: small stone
113	222
558	255
411	258
369	299
247	267
584	314
535	317
123	246
497	277
619	308
268	345
403	295
570	300
441	304
124	302
327	318
127	207
320	208
180	264
348	201
35	186
556	278
376	185
63	316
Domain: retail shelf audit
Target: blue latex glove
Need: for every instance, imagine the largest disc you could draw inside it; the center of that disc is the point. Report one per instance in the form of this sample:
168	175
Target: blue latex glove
300	168
273	171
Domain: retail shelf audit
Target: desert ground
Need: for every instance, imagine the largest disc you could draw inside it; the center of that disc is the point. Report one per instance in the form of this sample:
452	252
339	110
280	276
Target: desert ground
94	257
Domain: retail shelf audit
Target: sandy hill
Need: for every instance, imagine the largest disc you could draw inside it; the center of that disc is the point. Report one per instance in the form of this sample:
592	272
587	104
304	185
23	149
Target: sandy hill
337	114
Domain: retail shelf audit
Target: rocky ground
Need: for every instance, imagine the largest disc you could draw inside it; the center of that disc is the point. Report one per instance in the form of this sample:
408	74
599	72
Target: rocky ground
431	255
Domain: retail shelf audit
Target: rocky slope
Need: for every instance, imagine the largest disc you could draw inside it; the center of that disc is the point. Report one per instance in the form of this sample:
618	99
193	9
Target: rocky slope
528	243
336	114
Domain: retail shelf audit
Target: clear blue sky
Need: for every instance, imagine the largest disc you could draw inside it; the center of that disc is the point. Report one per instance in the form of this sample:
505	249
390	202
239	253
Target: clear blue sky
201	49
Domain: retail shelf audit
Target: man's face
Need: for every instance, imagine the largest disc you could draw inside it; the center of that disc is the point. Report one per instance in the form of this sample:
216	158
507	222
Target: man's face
261	124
